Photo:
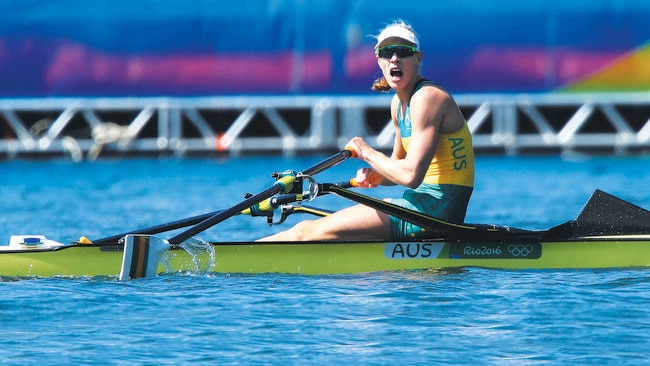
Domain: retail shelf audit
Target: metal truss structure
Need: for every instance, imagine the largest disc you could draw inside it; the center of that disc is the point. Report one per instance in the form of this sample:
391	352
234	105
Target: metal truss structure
85	128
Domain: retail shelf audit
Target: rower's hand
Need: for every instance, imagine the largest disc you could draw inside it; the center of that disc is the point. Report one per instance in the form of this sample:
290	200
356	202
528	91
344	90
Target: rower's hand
359	147
366	178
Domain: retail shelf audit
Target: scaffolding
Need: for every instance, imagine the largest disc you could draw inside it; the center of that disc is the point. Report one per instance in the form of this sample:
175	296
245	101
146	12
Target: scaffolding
85	128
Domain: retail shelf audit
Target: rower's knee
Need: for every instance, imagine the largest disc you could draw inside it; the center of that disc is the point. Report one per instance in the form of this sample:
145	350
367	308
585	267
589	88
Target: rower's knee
300	232
303	231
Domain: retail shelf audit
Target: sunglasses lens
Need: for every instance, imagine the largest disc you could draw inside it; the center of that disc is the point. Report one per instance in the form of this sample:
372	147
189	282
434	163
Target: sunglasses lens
401	51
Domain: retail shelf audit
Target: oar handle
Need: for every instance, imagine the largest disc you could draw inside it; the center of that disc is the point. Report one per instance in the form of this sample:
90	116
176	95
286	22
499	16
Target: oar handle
373	179
329	162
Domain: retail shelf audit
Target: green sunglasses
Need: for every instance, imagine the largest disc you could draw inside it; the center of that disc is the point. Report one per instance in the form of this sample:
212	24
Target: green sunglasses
402	50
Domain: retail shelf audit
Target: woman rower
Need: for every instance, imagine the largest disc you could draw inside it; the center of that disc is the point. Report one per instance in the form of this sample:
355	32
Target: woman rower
432	156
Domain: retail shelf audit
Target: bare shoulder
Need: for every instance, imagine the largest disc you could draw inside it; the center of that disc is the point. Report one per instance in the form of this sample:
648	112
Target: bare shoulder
431	93
431	100
439	106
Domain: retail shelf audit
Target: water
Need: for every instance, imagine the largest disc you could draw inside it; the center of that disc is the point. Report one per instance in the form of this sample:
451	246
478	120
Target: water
470	316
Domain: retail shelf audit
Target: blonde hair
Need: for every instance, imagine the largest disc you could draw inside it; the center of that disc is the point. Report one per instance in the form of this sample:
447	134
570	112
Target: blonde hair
381	84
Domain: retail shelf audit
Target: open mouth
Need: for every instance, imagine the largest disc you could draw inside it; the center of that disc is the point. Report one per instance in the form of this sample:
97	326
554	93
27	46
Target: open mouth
395	72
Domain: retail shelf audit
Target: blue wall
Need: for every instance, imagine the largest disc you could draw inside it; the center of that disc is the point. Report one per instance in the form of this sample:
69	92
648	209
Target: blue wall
209	47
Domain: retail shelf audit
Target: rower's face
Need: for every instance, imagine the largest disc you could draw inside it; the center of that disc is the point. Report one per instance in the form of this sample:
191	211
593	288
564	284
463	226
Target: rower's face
398	63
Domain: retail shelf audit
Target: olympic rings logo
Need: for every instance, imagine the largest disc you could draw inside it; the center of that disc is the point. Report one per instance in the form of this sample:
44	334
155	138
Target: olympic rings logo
520	250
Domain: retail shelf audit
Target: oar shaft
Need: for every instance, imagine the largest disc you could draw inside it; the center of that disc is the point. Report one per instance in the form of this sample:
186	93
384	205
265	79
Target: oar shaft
222	215
158	228
415	217
283	185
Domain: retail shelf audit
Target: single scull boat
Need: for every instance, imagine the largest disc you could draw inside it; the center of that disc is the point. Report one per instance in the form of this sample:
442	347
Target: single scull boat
608	233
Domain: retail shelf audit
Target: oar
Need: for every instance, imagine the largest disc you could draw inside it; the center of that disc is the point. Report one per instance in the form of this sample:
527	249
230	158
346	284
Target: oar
403	213
143	252
447	229
158	228
194	220
282	185
178	224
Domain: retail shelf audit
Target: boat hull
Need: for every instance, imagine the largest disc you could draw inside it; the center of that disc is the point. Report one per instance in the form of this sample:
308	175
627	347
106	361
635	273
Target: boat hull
338	258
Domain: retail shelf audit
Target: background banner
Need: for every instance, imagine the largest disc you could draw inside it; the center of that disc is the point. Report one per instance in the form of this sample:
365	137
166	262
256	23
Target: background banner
289	47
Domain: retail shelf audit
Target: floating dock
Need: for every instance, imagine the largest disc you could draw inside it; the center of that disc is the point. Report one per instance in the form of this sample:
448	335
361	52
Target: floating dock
87	128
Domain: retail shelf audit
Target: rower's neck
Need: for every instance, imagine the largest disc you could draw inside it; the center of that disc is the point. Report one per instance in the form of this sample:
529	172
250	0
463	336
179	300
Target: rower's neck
405	94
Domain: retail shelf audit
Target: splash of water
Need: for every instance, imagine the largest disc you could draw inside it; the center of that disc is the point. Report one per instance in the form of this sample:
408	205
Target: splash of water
200	252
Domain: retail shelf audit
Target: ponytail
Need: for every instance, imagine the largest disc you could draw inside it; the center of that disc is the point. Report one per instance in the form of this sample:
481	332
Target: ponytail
381	85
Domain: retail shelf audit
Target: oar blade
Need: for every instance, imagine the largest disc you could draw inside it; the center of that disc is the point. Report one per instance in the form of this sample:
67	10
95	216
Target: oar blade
142	253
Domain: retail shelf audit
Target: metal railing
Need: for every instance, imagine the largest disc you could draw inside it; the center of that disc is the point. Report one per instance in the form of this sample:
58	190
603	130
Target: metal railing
85	128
